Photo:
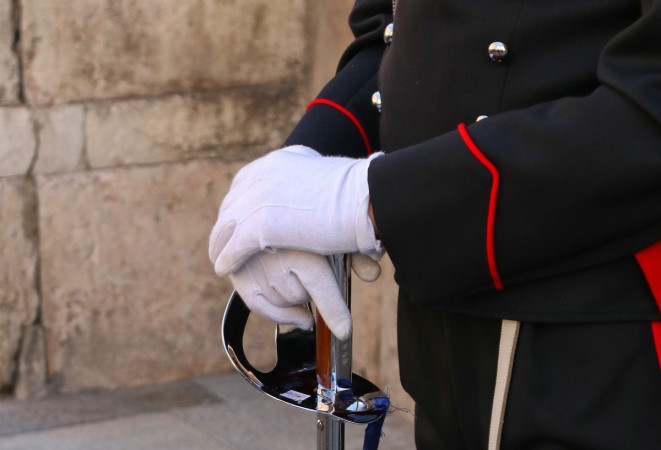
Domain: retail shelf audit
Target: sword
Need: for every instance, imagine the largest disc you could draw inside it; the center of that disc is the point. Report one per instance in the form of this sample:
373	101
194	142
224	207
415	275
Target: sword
333	365
312	370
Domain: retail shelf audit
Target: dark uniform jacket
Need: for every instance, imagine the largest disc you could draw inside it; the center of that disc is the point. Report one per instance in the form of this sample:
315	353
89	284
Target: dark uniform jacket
544	210
548	211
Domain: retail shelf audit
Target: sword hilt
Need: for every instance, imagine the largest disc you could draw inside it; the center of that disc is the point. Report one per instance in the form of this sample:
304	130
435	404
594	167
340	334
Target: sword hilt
312	370
323	353
333	365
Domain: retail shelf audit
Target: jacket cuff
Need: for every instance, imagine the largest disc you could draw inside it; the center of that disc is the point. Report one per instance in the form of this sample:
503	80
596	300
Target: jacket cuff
342	120
436	199
332	129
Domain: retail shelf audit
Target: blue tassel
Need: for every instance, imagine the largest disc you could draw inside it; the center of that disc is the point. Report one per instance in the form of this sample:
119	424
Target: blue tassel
374	429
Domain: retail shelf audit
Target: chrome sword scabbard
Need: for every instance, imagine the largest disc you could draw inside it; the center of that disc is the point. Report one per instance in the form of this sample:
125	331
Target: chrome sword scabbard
312	370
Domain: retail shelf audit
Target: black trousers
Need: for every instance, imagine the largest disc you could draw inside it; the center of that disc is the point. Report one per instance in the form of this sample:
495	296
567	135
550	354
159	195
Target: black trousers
573	386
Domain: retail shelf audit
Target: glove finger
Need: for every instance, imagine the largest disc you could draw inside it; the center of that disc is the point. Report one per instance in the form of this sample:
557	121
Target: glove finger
319	281
289	292
281	286
365	267
252	285
265	276
232	241
253	279
233	248
299	316
220	234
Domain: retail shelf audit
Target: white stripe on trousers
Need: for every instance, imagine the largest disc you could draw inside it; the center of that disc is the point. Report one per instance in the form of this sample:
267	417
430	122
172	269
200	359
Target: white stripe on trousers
509	334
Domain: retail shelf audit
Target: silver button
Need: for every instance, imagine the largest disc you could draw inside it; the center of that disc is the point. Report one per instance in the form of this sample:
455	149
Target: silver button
376	100
498	51
388	32
480	118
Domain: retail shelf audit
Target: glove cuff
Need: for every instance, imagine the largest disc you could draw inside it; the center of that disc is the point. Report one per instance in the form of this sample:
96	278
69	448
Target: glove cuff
368	243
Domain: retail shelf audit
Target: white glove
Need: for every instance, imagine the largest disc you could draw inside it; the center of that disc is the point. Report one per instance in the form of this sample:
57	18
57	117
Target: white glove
277	284
294	198
365	267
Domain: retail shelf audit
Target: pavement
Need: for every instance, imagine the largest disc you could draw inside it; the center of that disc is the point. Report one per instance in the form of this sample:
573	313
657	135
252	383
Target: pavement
219	412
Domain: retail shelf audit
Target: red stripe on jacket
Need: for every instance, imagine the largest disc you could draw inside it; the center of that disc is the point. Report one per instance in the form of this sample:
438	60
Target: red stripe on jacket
346	112
649	260
491	216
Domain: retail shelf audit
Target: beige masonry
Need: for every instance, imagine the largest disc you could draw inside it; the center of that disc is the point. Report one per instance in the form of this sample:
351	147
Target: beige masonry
233	124
61	140
76	50
18	262
17	141
128	294
121	126
9	77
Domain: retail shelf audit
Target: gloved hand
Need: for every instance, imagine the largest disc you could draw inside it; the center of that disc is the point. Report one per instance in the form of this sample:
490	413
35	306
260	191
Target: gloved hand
294	198
276	284
365	267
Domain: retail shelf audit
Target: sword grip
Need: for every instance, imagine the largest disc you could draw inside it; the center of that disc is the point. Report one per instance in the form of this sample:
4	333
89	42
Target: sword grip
323	343
333	362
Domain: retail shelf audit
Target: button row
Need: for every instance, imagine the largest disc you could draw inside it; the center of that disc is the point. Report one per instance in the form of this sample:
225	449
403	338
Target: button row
498	51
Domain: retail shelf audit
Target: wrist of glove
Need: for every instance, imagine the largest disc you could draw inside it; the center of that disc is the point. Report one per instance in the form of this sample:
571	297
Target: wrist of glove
294	198
278	284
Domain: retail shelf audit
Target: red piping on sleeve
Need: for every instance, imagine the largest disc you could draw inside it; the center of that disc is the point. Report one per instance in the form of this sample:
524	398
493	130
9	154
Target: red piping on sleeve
346	112
656	334
649	260
491	216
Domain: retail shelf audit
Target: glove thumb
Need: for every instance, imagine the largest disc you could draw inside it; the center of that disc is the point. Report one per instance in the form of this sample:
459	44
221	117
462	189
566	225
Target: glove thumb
365	267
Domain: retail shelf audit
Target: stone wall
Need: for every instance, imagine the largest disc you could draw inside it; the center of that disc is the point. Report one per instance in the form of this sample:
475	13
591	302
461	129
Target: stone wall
121	125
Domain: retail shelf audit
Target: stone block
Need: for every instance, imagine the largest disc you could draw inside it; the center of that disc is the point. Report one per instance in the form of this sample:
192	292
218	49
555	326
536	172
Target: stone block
9	75
99	49
17	145
61	139
18	260
234	124
31	380
129	294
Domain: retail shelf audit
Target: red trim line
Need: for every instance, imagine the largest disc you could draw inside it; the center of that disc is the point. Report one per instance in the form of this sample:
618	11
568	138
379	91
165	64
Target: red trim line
649	260
656	334
491	217
346	112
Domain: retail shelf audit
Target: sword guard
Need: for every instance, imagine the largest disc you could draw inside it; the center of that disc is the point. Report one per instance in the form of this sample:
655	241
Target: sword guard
293	380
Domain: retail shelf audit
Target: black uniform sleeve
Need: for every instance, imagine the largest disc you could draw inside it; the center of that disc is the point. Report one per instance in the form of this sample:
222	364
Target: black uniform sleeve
552	189
342	120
